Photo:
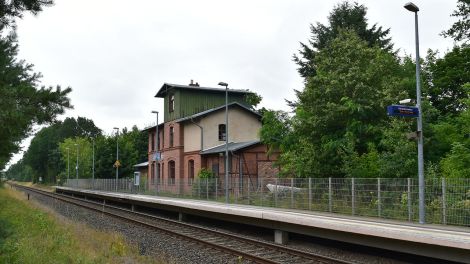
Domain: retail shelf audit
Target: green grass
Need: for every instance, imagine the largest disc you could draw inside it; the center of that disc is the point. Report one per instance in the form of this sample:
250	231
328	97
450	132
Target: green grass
29	234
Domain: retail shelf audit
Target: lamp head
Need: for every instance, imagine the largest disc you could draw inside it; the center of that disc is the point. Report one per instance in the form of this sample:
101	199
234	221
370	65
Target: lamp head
223	84
154	112
411	7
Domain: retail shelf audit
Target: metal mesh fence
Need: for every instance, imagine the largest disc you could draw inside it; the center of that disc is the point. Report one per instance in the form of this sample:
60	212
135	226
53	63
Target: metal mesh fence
447	200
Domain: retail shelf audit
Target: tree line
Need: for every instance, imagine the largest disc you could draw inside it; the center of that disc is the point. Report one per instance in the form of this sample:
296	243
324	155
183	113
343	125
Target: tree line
338	126
56	150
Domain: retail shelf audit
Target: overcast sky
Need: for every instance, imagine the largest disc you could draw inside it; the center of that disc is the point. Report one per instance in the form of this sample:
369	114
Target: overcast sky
116	54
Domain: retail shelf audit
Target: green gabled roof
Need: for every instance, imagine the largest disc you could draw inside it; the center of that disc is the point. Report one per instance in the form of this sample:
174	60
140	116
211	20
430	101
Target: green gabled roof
169	86
209	111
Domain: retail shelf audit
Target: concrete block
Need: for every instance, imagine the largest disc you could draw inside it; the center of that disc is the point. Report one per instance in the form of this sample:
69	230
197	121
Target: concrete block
182	217
281	237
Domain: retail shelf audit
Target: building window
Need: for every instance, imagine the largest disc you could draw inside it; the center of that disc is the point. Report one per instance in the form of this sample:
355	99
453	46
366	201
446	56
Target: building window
190	172
171	172
171	103
172	131
222	132
152	147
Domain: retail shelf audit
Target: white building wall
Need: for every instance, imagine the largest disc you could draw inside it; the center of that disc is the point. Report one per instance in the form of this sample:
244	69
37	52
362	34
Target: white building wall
243	126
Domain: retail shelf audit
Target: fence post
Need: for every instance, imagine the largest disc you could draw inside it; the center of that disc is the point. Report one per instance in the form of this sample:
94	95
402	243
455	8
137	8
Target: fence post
309	193
291	192
409	200
275	192
353	197
444	209
330	196
260	186
248	190
207	188
379	200
199	189
216	189
235	189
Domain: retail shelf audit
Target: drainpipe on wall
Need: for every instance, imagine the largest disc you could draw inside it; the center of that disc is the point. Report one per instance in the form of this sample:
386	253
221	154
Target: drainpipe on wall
240	170
202	132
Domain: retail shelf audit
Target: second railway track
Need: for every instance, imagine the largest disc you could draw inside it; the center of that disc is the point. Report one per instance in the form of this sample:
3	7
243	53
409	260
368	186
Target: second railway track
241	248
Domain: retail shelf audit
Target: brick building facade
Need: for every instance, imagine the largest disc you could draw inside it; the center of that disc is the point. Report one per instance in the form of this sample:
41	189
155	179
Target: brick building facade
192	137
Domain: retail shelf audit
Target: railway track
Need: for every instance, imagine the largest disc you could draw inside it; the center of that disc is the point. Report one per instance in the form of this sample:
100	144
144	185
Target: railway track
242	248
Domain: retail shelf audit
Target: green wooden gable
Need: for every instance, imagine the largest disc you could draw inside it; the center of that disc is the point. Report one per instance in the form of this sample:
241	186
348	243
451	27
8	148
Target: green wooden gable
189	100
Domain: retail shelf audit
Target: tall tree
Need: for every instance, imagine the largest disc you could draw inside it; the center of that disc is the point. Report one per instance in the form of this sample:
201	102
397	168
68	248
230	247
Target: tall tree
23	102
344	16
446	79
342	108
460	30
15	8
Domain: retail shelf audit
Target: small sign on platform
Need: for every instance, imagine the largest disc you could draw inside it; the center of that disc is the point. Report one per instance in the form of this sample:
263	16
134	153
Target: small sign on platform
402	110
136	178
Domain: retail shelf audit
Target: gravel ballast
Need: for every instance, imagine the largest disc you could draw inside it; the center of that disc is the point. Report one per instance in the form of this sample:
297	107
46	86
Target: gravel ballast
150	241
176	250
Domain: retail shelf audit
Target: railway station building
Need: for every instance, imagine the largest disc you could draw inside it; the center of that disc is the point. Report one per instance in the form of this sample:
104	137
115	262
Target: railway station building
192	135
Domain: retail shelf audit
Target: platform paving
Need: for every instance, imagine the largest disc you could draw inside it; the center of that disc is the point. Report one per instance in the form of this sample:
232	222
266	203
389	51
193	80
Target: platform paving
447	242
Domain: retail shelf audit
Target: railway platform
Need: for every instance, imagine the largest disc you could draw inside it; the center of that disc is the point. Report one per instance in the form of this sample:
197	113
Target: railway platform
436	241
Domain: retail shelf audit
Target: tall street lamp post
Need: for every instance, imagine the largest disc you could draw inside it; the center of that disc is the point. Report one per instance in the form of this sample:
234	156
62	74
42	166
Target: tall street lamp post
157	154
117	156
226	140
93	171
68	163
413	8
76	165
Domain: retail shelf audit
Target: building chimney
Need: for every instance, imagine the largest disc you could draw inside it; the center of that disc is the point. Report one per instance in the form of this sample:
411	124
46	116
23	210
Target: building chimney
194	84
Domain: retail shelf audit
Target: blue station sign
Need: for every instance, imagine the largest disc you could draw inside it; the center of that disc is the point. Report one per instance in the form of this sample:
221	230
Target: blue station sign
402	110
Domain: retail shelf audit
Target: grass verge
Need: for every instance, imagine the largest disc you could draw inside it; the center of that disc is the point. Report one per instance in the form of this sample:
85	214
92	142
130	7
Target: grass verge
28	234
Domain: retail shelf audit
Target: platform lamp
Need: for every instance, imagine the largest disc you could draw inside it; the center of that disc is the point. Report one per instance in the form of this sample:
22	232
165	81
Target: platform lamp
93	160
76	165
117	156
68	162
226	140
413	8
157	155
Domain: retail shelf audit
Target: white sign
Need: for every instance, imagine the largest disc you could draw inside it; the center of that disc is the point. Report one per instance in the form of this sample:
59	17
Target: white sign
157	156
136	178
